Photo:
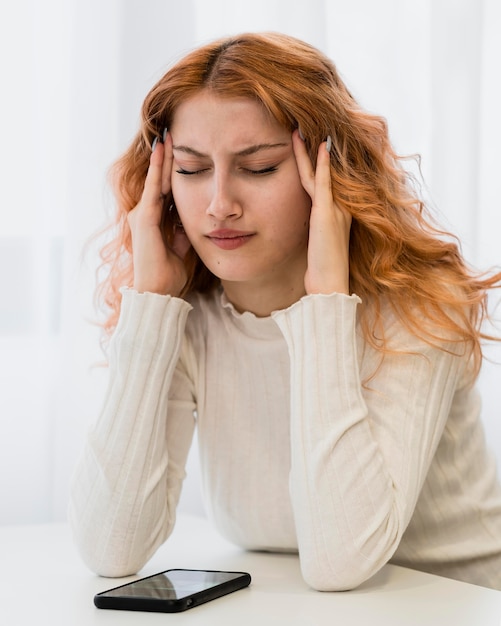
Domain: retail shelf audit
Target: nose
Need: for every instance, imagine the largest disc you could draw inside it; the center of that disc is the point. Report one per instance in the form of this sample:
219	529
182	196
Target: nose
224	203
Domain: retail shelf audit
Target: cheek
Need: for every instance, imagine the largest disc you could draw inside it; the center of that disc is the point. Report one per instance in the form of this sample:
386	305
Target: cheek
297	196
188	203
179	195
291	227
300	220
300	215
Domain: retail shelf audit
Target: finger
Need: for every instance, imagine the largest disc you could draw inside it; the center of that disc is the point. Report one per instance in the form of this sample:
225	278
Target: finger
323	200
304	165
153	182
167	163
323	185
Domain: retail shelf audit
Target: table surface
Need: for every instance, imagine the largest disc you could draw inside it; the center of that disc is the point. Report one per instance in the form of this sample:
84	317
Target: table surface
43	581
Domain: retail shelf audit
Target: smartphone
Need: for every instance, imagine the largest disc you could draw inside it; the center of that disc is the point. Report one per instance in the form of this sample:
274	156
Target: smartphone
172	591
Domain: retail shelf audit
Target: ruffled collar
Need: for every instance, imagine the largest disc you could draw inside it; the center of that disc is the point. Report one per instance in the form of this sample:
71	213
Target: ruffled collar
248	322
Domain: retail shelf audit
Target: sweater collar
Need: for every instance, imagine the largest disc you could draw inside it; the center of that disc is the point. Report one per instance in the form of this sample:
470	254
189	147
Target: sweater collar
248	322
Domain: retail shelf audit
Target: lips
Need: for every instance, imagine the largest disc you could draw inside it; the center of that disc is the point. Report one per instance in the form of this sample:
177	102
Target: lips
228	239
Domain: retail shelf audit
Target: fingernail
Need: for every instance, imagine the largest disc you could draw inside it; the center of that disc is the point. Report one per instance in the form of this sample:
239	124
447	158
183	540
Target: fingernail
300	133
328	144
164	135
154	144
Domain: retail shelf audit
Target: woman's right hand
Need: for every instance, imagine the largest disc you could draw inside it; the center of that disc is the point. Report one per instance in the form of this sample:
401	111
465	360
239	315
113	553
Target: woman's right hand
157	268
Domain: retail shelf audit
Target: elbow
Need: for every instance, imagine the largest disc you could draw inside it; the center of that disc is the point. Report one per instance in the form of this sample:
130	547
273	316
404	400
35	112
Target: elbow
320	580
345	565
344	572
109	548
111	570
107	570
105	558
338	582
106	563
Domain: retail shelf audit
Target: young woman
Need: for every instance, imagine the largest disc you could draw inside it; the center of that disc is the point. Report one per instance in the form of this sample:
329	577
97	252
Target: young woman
274	282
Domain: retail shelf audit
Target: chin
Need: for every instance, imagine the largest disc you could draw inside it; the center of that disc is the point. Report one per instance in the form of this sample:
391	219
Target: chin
234	277
230	273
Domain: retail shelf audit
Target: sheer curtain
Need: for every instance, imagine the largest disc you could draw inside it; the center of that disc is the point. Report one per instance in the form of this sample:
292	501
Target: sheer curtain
74	75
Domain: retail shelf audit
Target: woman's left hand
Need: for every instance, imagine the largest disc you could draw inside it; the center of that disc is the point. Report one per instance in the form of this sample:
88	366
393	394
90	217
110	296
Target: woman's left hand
329	239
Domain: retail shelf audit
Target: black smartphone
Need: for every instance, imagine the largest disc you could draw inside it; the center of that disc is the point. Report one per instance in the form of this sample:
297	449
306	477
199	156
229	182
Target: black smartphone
172	591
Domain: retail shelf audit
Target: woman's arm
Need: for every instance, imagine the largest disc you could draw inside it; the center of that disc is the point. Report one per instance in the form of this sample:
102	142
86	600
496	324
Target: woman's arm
359	456
127	484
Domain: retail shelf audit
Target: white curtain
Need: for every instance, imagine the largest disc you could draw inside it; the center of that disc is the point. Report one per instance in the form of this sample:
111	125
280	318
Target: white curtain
74	74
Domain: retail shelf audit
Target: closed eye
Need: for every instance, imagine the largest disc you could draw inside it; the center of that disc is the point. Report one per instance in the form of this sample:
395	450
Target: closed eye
265	170
189	172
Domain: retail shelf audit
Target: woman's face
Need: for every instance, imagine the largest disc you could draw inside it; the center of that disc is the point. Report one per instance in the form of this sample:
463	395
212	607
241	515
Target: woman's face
237	190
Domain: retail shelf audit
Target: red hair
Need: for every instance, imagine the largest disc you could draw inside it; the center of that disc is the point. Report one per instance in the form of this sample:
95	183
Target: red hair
397	256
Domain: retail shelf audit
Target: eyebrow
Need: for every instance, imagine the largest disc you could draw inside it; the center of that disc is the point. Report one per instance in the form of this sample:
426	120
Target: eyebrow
245	152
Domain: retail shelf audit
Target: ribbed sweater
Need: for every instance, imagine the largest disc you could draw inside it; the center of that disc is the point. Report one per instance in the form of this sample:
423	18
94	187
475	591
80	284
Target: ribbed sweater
308	442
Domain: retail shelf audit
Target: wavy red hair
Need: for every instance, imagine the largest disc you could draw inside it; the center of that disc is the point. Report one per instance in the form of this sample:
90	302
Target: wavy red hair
397	256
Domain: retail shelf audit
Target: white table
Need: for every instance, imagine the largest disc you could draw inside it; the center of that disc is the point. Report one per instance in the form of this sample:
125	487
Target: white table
43	582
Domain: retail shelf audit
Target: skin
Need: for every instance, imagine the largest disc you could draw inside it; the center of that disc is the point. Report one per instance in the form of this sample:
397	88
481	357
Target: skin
257	214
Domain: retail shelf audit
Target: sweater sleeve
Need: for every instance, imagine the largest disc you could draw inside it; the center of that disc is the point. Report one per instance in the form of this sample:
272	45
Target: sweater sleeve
127	483
359	453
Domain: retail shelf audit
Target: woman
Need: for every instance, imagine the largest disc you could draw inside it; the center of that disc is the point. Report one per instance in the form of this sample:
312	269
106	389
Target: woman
274	281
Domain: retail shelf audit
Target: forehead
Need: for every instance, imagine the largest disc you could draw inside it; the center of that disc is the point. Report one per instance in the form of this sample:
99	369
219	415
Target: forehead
208	114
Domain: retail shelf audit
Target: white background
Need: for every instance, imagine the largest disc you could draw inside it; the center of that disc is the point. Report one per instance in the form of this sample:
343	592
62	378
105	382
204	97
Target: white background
74	74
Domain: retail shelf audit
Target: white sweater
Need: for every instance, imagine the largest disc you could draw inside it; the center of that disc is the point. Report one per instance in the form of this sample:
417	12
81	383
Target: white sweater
296	453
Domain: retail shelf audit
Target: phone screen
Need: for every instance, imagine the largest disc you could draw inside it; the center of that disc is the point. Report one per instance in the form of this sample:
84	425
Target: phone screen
173	584
172	590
